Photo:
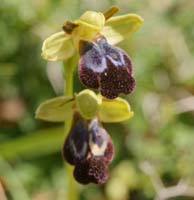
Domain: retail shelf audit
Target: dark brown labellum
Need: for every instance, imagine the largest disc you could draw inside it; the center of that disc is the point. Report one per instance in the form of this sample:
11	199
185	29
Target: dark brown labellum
105	67
92	170
89	147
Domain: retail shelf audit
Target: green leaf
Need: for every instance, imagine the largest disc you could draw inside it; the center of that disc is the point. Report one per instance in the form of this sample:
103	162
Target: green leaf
11	179
87	103
119	27
56	110
38	143
116	110
58	46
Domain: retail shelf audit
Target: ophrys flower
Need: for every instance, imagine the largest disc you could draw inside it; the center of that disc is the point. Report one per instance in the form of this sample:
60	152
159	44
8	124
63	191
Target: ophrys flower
92	36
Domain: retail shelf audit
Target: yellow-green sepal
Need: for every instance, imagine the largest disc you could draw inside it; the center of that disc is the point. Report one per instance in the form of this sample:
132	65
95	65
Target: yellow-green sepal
58	46
56	110
95	19
115	110
89	25
87	103
119	27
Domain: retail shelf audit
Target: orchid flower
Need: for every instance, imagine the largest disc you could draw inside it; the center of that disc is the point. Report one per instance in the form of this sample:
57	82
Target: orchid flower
101	65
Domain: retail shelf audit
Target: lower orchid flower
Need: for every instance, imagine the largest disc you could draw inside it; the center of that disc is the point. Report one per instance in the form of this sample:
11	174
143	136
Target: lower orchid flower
89	148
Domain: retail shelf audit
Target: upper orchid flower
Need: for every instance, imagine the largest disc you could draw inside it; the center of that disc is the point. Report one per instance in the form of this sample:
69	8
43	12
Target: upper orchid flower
101	65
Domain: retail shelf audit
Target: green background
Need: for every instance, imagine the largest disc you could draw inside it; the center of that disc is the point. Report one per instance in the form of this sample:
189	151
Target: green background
155	145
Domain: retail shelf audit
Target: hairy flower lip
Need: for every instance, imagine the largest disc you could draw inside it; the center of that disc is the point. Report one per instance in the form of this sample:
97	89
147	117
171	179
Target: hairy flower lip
90	149
106	68
93	170
87	138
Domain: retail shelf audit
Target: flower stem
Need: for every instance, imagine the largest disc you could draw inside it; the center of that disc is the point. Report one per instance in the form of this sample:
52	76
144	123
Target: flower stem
69	66
68	87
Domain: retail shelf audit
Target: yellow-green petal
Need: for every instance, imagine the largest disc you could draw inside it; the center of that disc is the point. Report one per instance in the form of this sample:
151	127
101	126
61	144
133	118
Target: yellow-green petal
55	110
58	46
92	18
119	27
87	103
90	24
116	110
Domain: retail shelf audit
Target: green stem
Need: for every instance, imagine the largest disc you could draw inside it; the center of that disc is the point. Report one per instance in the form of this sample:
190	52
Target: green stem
69	65
68	87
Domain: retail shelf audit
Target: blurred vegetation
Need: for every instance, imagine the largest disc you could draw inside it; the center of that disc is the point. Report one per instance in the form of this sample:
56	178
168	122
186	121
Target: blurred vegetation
155	145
